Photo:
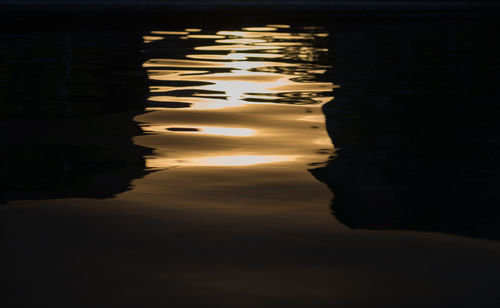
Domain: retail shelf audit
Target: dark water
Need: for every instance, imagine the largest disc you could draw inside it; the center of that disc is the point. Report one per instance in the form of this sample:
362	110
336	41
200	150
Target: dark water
183	163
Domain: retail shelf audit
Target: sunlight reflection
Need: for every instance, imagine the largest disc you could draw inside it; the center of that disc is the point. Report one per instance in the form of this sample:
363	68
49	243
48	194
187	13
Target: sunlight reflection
206	130
236	77
220	161
170	32
195	103
244	74
149	39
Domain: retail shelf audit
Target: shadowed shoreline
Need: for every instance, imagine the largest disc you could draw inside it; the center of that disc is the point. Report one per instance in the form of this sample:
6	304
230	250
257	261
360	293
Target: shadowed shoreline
68	103
417	129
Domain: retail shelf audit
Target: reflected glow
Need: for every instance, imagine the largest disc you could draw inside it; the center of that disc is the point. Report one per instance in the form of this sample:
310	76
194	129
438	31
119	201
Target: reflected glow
218	161
238	97
195	103
206	130
241	47
230	71
227	131
204	36
323	141
279	26
260	29
319	118
180	63
240	41
148	38
170	32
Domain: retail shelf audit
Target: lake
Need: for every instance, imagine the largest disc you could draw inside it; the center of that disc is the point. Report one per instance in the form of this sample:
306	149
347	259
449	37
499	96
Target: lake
303	160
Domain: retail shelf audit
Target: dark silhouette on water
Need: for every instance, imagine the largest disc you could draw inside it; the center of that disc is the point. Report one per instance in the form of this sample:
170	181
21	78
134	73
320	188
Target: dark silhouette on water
67	109
417	126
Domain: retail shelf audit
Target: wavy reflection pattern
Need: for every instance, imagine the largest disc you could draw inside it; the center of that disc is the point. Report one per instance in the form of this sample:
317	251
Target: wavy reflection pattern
266	79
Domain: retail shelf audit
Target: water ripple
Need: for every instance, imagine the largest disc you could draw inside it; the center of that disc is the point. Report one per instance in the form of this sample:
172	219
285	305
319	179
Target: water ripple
241	97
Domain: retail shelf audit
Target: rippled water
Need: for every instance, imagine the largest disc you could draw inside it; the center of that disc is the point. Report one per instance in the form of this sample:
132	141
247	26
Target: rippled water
220	201
238	97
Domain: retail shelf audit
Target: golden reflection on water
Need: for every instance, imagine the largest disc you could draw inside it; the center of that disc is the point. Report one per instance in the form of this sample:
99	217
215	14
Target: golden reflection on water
207	130
237	97
221	161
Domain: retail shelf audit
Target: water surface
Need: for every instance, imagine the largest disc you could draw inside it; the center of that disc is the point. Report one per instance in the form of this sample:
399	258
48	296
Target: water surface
228	212
237	98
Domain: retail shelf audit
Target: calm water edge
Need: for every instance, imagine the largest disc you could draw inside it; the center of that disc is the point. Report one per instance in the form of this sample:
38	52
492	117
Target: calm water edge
259	161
